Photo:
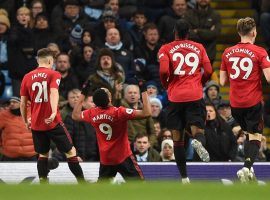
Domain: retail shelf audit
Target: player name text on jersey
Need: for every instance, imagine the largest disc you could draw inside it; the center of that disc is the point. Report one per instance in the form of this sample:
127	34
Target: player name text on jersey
240	50
184	45
102	116
42	75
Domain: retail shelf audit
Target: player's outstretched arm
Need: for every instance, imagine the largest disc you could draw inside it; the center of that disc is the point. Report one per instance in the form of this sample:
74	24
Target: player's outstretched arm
77	110
223	78
266	72
23	108
146	111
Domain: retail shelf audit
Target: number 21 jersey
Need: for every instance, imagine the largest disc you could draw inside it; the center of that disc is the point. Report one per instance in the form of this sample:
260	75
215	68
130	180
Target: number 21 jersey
36	86
244	63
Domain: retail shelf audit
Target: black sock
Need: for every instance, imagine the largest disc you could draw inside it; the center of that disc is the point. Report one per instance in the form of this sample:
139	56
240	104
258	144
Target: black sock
201	138
251	150
180	158
75	168
42	167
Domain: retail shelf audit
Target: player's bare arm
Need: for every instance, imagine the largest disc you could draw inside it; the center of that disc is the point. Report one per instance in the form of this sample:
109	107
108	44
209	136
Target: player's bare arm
223	78
266	73
146	111
77	110
54	98
23	108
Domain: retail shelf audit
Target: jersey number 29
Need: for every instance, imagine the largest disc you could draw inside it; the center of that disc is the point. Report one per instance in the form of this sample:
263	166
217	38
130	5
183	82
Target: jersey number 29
42	91
191	60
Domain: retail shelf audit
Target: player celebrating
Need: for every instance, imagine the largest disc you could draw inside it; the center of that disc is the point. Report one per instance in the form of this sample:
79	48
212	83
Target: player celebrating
111	127
243	65
40	87
184	65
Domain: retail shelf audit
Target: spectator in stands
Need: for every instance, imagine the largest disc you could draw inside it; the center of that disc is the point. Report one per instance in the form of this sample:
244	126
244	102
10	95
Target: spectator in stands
108	75
211	93
264	152
163	135
16	143
9	6
21	54
62	26
153	92
146	53
144	126
136	30
224	110
265	21
4	29
157	128
220	141
93	9
167	152
143	150
166	23
36	7
88	37
72	99
69	81
205	26
42	34
157	113
108	21
123	56
86	65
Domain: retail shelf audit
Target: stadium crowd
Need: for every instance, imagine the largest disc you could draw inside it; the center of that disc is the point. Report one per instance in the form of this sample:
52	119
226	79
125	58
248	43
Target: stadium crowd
111	44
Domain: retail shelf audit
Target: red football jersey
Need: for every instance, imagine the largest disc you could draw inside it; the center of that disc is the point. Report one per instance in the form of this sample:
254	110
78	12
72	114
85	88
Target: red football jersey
186	63
244	63
111	130
36	86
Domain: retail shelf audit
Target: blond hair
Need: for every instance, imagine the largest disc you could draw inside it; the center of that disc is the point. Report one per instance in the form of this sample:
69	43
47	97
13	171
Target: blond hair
245	25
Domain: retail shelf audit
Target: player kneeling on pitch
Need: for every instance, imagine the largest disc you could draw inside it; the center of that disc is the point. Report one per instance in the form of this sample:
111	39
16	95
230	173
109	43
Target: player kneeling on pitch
110	124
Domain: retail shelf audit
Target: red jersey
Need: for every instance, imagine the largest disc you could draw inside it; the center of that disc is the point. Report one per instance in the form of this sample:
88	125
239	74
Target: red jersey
36	86
182	65
244	63
111	130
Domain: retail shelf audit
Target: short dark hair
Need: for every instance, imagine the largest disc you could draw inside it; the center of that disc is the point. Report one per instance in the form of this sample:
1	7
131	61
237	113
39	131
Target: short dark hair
140	135
181	28
149	26
245	25
44	52
101	98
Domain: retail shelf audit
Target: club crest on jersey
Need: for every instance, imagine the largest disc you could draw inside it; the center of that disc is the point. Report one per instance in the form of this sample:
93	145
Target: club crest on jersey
58	82
129	111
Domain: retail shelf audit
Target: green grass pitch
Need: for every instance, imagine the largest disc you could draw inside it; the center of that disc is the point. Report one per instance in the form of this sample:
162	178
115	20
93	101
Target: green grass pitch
159	190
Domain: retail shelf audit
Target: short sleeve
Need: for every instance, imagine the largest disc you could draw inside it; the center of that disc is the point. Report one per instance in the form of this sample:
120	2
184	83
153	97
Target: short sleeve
205	58
86	115
126	113
55	81
23	90
162	55
223	63
264	60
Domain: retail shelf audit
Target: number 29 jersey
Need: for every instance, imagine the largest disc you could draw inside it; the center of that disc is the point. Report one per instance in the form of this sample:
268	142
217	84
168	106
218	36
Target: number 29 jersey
36	86
244	63
111	129
187	62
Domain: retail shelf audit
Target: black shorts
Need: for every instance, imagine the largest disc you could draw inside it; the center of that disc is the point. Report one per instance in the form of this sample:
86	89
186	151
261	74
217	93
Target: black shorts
181	114
129	169
250	119
59	135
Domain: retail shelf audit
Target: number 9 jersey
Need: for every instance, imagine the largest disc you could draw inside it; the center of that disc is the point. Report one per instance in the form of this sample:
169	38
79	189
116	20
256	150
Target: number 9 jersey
244	63
111	130
36	87
183	65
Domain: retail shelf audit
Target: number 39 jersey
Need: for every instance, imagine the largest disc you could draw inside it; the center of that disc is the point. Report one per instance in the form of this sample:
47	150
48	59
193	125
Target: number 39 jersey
244	63
111	130
187	62
36	86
